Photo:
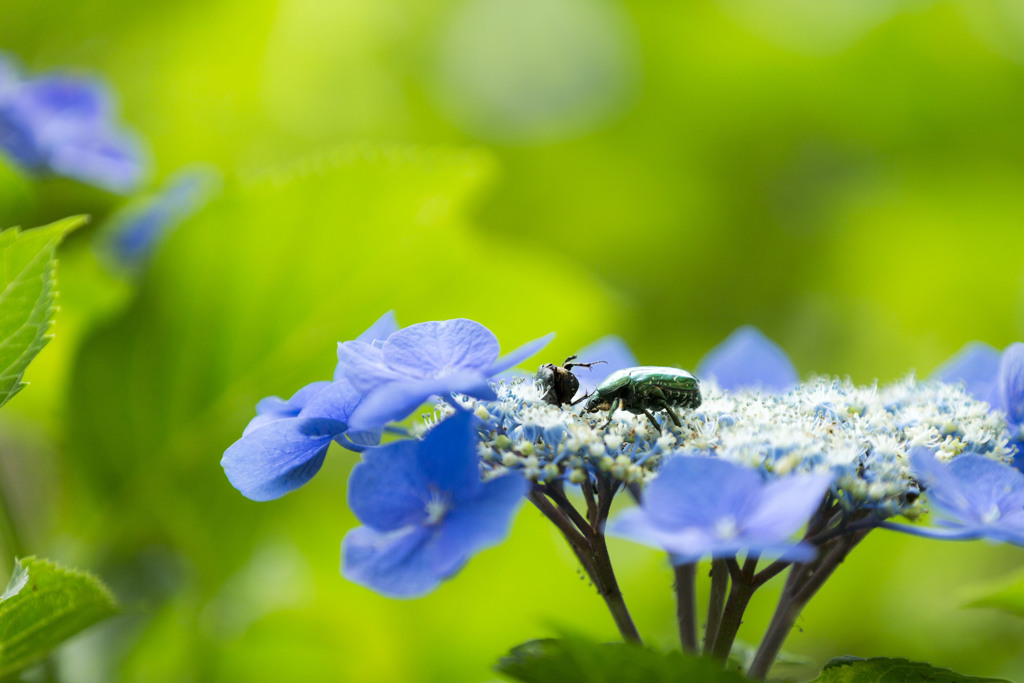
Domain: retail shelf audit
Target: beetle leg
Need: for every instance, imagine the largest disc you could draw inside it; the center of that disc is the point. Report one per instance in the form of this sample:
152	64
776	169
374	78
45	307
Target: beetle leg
672	413
650	416
569	366
611	411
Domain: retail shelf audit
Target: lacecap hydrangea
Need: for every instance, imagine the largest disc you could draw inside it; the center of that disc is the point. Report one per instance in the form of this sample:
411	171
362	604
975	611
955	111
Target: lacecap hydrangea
788	474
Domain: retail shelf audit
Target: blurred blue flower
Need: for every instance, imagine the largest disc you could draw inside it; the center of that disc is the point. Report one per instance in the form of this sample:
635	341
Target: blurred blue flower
699	506
425	510
65	125
747	359
995	378
616	355
428	359
974	497
135	231
976	364
285	444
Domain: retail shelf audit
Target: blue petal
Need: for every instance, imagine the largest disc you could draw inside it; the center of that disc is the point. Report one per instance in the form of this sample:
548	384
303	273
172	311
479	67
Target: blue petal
278	457
275	408
637	525
137	230
695	491
477	524
388	490
519	355
111	161
983	497
363	365
437	348
379	331
790	552
959	534
943	489
988	484
976	363
447	457
748	359
392	563
336	401
783	507
66	102
1011	383
397	400
611	349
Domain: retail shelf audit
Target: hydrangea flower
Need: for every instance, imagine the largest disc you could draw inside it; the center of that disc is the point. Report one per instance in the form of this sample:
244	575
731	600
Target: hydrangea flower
65	125
747	359
699	506
858	435
974	497
425	510
381	376
434	358
285	444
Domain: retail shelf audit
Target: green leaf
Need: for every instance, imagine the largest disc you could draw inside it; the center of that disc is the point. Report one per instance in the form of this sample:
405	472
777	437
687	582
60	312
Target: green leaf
26	297
1006	594
43	605
574	659
885	670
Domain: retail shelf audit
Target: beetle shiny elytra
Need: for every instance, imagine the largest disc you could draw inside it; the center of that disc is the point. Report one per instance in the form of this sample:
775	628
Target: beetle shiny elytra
557	383
646	388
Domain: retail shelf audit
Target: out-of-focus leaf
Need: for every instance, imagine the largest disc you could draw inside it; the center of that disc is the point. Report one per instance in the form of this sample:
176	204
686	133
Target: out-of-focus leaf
576	660
1006	594
249	298
43	605
26	297
886	670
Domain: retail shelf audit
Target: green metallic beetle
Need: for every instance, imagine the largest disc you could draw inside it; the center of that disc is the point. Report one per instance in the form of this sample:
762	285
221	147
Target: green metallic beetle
643	389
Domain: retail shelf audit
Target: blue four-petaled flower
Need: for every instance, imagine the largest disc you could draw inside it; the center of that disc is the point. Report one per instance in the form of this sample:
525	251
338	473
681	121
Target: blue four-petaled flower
382	376
700	506
425	510
65	125
434	358
973	497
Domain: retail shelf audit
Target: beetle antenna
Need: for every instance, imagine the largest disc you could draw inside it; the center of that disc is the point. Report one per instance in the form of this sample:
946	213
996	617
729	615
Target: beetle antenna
581	398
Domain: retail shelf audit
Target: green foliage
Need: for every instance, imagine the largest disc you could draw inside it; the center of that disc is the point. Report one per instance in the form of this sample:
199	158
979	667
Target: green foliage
576	660
1006	594
43	605
26	297
885	670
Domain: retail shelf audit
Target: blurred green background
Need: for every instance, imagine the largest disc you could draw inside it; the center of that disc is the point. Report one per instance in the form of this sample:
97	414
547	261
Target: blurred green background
846	175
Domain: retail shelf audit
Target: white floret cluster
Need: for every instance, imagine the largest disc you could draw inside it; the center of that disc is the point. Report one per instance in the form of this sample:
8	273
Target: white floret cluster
859	434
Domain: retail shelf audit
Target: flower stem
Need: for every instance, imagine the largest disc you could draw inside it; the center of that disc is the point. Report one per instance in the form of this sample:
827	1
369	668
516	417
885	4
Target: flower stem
803	582
716	602
588	544
686	605
742	590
